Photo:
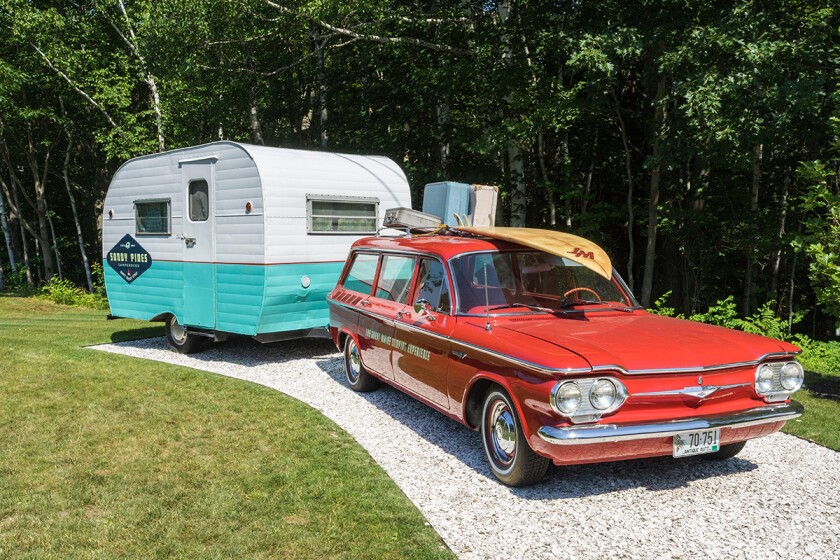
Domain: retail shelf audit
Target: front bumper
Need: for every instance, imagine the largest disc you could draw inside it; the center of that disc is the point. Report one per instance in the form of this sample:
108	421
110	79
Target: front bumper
612	433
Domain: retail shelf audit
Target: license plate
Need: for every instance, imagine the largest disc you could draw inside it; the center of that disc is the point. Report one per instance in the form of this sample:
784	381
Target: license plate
696	443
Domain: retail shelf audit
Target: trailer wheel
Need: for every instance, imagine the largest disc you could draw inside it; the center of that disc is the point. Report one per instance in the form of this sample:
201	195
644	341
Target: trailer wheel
179	339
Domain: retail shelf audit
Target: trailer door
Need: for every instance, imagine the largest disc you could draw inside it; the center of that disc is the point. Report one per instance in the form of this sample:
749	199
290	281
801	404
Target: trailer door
197	182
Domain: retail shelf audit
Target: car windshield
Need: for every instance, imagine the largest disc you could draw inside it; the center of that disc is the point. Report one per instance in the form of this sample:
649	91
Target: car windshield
532	281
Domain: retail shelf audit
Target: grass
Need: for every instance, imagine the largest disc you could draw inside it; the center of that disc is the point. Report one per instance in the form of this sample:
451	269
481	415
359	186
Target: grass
821	421
105	456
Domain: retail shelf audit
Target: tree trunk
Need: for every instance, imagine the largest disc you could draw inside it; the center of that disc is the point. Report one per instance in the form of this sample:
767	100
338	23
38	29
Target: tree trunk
516	165
26	264
322	87
552	208
54	242
7	234
256	129
777	256
134	45
660	118
567	178
629	170
758	150
72	198
443	120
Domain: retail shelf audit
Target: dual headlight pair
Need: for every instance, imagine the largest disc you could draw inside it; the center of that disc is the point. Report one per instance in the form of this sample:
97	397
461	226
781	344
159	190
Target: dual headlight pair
587	399
775	382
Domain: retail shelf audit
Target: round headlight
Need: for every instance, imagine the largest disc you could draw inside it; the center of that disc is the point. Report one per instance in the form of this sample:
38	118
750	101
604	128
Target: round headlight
567	398
792	376
602	394
764	379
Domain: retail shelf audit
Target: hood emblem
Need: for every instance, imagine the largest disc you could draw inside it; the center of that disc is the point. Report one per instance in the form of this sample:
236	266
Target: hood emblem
700	380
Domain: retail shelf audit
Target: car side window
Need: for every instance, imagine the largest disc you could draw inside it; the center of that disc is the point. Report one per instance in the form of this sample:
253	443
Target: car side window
395	278
433	286
362	273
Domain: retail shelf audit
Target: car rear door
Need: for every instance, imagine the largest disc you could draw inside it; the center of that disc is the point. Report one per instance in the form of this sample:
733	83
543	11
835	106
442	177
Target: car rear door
421	345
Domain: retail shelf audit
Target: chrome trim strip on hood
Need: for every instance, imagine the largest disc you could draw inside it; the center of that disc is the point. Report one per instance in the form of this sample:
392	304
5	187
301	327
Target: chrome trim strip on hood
610	433
694	369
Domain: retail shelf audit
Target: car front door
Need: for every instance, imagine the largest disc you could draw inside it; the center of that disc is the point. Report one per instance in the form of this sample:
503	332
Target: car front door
421	346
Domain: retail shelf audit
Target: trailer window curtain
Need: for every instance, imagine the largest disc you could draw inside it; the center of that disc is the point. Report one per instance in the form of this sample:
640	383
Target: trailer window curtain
342	216
152	217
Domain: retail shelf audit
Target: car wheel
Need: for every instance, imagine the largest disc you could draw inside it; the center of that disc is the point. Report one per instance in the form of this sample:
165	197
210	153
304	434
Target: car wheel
510	457
725	452
357	376
179	339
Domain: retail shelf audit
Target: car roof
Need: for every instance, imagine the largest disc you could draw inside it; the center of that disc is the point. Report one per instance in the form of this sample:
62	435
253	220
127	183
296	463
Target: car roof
444	246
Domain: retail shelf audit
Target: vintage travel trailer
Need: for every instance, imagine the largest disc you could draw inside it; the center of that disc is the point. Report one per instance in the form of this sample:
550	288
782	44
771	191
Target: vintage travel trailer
234	238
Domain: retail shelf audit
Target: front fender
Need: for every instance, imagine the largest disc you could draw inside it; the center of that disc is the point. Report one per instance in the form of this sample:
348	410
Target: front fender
530	398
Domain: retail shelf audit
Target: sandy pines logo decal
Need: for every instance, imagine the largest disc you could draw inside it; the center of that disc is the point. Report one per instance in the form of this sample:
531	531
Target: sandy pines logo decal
129	259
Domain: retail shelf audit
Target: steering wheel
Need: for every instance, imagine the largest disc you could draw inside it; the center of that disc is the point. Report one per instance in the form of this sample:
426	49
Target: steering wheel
591	291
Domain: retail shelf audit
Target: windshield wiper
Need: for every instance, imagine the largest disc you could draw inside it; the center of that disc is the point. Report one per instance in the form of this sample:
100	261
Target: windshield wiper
610	304
517	304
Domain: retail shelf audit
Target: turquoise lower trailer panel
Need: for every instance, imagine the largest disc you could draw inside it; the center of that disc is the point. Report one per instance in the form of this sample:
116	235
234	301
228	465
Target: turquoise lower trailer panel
249	299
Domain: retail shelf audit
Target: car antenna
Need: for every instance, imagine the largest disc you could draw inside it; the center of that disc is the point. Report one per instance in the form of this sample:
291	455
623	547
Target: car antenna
487	327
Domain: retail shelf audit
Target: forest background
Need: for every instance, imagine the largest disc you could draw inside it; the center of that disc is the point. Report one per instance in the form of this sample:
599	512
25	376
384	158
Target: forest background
696	141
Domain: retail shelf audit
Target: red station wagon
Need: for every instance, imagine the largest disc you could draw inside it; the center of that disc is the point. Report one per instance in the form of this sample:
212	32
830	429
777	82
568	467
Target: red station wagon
539	345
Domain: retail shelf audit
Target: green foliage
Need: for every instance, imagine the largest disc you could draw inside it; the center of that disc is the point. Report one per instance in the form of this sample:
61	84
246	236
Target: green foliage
819	356
724	313
820	240
65	292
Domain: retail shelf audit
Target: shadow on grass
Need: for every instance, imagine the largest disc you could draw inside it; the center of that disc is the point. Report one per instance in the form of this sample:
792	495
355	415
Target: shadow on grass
136	334
823	385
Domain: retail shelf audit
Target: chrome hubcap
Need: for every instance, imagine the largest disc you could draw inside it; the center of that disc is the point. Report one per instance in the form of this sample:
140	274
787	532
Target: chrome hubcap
502	427
354	364
177	330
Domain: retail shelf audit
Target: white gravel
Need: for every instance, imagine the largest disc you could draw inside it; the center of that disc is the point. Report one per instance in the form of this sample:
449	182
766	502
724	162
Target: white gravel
780	498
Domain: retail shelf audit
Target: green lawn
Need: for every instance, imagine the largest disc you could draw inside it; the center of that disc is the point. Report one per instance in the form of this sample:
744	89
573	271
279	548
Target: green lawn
105	456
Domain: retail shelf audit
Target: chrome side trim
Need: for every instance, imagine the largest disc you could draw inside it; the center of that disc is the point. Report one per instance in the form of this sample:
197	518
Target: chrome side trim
609	433
700	392
533	366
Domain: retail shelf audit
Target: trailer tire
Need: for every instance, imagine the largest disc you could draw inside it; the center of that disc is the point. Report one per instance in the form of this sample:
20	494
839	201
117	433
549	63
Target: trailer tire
179	339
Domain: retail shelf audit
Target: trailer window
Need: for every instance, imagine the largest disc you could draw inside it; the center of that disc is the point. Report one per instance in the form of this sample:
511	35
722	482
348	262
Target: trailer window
350	215
152	217
199	201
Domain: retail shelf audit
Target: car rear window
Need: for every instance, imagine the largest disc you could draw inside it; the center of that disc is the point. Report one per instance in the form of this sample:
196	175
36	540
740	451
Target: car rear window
395	278
361	274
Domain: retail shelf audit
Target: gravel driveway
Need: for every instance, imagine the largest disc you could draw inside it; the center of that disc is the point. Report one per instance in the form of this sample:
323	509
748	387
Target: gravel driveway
780	498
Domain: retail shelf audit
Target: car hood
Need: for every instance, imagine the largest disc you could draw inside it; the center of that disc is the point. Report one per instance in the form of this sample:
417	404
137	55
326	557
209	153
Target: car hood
641	341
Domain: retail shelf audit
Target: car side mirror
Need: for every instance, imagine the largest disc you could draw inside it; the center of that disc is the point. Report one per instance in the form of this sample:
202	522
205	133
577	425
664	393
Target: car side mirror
423	307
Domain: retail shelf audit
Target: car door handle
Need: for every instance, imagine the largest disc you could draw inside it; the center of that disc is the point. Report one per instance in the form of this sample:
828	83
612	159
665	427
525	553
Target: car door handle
459	355
401	314
365	303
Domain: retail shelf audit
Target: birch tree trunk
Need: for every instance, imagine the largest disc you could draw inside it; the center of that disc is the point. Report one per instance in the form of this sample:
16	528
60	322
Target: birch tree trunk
134	45
79	237
7	234
322	87
54	241
777	256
